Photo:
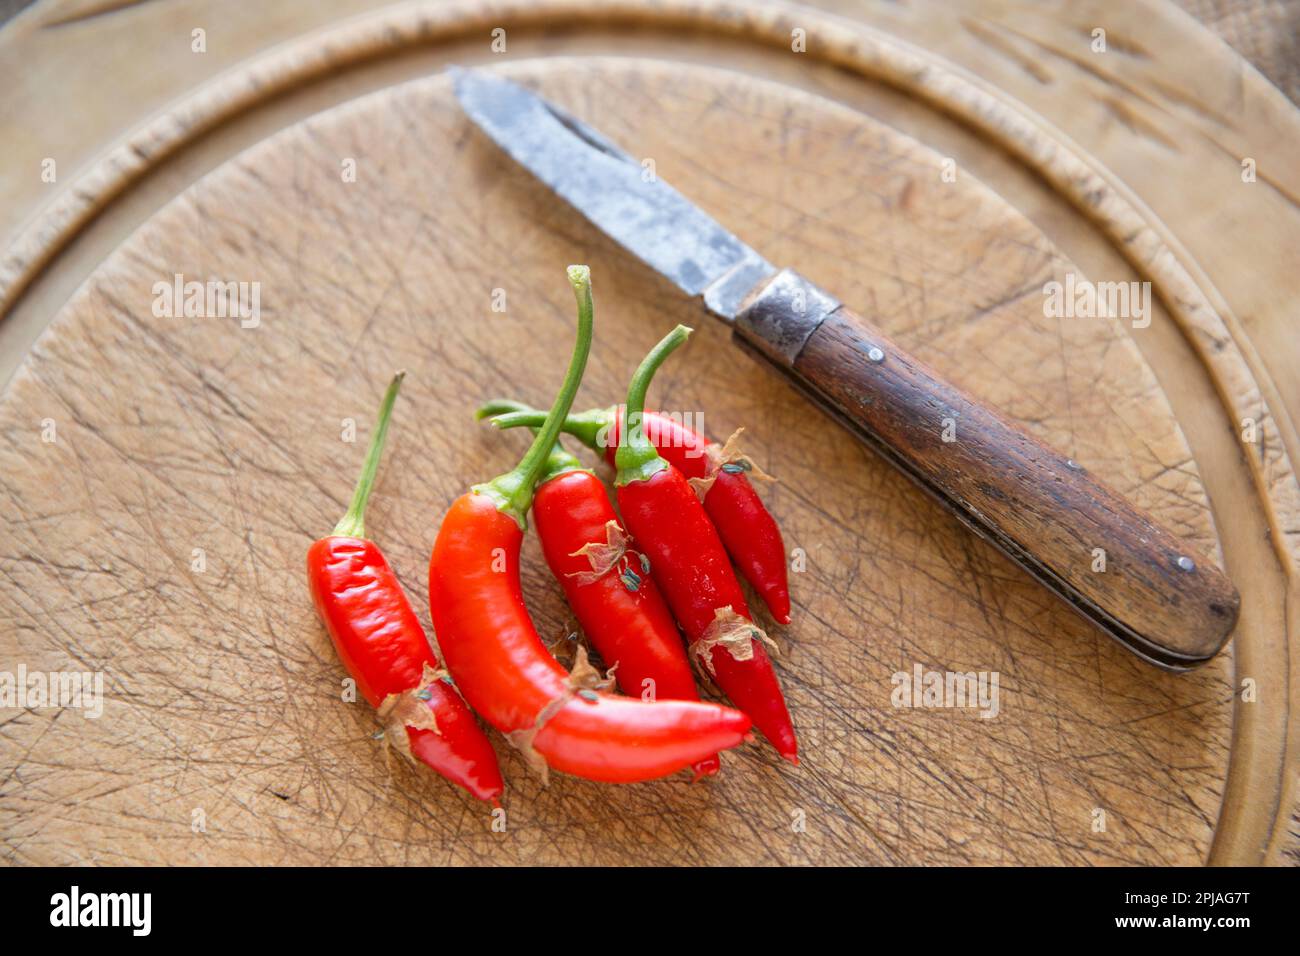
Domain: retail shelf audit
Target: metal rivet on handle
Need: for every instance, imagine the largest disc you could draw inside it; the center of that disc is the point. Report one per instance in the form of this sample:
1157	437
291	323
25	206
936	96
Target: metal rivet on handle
1186	563
1073	465
875	354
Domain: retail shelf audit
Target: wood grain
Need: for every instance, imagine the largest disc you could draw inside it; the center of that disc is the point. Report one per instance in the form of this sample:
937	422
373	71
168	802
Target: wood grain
1108	560
223	688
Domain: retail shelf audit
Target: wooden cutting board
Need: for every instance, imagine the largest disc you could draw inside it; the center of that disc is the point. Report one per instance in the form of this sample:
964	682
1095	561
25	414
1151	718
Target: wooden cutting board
159	537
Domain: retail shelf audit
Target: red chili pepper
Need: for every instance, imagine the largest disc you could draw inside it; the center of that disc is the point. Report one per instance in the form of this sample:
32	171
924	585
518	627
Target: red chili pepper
381	643
667	520
500	662
747	529
612	593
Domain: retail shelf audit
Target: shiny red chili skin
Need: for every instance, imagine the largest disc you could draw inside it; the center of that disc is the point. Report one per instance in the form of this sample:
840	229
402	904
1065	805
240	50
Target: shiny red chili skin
691	567
506	673
631	628
747	529
384	648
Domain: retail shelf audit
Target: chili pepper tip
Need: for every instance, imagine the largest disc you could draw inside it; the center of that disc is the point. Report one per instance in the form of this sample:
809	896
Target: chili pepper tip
708	767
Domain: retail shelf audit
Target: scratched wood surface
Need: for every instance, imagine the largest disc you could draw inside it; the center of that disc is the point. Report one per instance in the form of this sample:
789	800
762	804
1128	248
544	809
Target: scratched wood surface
193	433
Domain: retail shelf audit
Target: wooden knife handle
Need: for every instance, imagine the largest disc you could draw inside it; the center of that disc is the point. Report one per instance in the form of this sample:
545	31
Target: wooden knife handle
1170	606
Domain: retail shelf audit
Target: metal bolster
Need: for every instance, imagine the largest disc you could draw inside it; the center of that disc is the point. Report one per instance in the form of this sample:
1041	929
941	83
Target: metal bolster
725	295
783	315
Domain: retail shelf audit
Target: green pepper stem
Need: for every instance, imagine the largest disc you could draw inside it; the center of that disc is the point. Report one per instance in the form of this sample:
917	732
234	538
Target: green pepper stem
353	524
637	458
591	427
559	461
513	491
503	406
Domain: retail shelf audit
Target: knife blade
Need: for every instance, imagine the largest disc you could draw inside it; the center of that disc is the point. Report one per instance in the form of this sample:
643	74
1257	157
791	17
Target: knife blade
1038	506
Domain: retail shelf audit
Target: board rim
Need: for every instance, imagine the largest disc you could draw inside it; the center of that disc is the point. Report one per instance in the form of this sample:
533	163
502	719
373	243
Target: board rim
1203	317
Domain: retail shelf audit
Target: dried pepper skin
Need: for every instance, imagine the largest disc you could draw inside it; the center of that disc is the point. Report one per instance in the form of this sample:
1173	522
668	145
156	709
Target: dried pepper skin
621	611
668	521
507	675
630	628
747	529
691	567
384	648
496	656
